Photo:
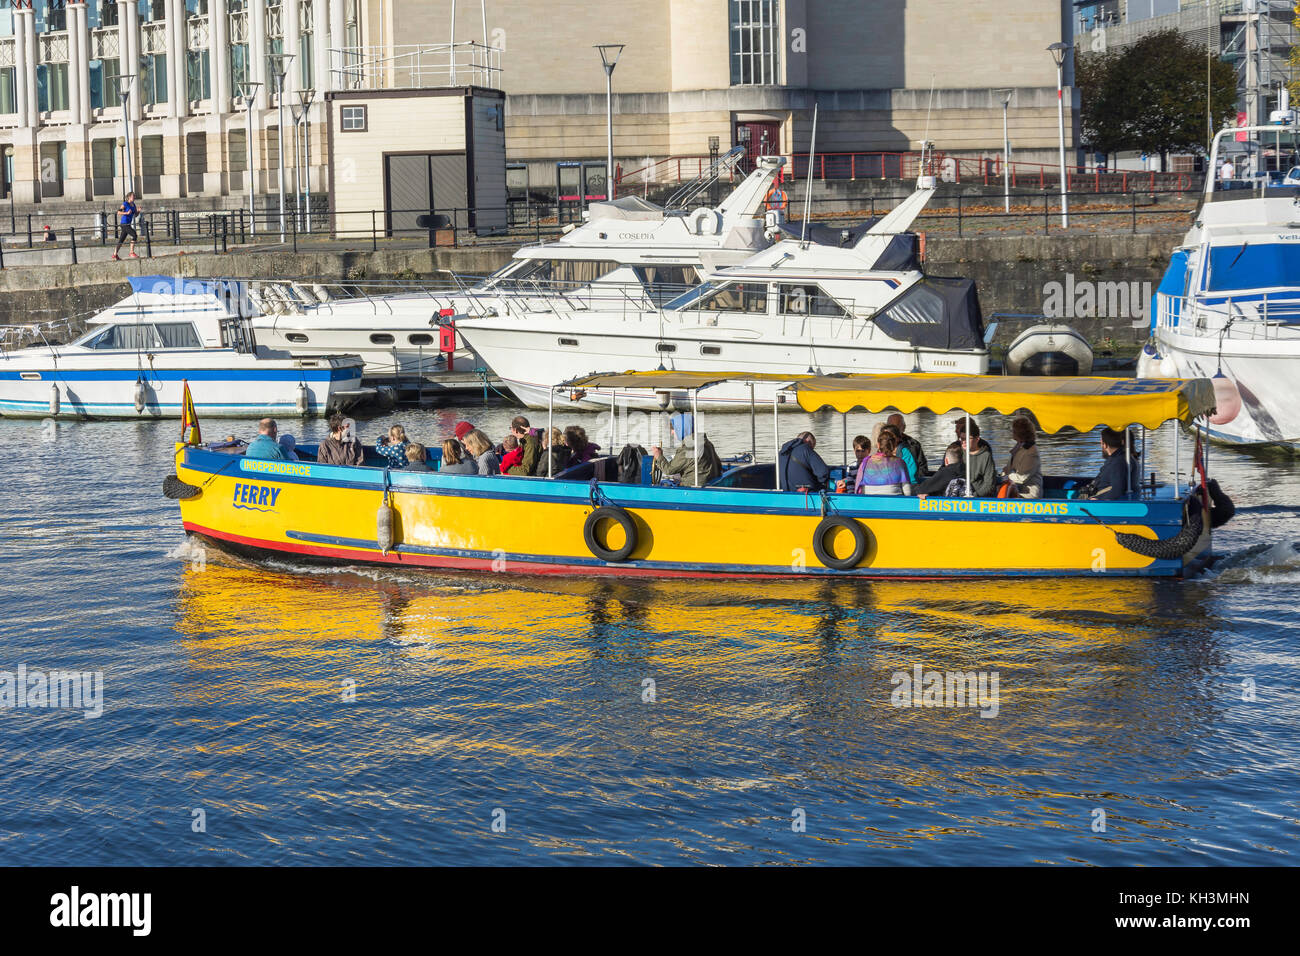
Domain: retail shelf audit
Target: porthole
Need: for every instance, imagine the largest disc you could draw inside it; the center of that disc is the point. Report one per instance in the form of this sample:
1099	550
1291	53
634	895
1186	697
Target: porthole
420	338
296	337
381	338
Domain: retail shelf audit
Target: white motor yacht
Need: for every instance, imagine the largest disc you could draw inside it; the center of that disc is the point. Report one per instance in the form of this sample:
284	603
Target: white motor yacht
1228	307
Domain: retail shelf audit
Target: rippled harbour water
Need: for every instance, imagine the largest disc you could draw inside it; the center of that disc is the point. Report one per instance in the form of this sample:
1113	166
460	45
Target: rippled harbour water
1170	707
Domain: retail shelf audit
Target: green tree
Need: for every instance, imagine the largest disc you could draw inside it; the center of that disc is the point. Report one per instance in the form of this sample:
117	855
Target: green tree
1151	95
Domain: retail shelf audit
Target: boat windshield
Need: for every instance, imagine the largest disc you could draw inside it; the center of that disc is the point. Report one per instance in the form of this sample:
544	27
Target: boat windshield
689	297
1248	265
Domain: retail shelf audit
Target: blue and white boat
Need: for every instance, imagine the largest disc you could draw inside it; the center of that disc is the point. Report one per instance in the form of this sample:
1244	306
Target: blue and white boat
1228	308
132	362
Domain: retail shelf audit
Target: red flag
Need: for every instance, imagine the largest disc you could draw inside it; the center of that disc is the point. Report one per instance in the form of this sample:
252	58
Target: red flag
189	418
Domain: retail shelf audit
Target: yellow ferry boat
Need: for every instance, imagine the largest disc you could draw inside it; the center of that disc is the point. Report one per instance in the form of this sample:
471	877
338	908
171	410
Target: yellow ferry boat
741	525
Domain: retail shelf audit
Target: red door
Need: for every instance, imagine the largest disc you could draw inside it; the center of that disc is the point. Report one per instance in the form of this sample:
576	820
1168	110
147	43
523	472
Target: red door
759	139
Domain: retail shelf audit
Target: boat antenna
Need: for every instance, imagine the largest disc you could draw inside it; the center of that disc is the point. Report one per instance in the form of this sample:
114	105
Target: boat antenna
807	197
928	106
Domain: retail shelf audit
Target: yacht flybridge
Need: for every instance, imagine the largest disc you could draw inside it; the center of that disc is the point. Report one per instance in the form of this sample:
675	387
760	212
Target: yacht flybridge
832	301
629	252
1228	308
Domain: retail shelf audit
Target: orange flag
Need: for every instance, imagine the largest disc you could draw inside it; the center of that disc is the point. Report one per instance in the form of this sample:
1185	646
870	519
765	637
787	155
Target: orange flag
189	418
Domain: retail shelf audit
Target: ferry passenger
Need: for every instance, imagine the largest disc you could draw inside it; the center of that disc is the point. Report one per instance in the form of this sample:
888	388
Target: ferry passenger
983	473
861	449
455	461
695	463
960	426
556	451
480	447
802	469
462	429
393	446
902	452
953	469
511	452
910	444
580	449
1111	483
338	448
884	473
531	444
265	445
288	443
1025	469
417	457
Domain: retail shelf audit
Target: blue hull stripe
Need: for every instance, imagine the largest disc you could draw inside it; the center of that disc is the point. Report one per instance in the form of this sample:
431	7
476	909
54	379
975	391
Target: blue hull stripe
349	373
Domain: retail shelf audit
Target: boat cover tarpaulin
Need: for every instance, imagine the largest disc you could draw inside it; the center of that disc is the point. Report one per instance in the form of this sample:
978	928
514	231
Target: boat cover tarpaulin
632	208
672	381
1082	403
935	313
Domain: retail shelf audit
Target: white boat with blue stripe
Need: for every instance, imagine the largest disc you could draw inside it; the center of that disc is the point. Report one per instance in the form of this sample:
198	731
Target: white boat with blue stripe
136	355
1228	308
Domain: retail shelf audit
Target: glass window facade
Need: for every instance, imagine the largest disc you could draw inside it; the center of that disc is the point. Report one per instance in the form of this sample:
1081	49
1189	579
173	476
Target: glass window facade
755	42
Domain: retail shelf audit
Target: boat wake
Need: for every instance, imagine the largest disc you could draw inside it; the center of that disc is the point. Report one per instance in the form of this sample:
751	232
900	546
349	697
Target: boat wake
1277	563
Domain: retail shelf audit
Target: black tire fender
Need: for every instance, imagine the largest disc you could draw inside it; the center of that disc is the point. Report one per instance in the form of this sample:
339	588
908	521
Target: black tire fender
859	543
623	520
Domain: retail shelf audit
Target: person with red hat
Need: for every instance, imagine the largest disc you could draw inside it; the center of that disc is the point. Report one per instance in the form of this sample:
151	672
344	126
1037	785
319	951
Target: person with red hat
462	429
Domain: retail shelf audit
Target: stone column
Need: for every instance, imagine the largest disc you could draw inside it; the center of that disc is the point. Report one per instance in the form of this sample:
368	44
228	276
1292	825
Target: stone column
83	32
77	184
291	27
320	45
257	70
24	71
29	41
178	99
219	55
338	39
128	27
75	44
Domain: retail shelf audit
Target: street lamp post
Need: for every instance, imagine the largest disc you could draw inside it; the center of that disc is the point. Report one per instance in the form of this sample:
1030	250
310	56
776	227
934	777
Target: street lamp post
1058	51
1006	152
279	63
609	54
9	175
124	84
306	98
248	92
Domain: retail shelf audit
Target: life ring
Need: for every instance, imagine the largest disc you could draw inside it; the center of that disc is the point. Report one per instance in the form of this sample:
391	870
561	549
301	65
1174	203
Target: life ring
777	199
859	543
623	520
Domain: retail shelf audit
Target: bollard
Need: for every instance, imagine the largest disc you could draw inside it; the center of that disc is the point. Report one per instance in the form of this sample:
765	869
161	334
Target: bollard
72	232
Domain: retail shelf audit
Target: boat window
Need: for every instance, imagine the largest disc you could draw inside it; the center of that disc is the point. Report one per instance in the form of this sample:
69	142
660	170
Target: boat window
178	335
1253	266
738	297
566	271
689	298
809	300
420	338
125	337
710	350
296	337
665	282
665	347
381	338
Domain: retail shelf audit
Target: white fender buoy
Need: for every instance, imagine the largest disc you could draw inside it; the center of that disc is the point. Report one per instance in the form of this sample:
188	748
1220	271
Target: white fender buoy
139	397
706	222
304	399
54	400
1227	400
384	527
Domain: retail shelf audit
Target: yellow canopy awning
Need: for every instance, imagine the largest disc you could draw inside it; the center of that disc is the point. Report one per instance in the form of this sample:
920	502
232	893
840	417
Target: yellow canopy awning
1082	403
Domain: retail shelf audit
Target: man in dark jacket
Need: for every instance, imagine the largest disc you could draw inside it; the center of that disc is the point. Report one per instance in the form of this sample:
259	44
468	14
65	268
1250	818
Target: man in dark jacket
1111	483
800	465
